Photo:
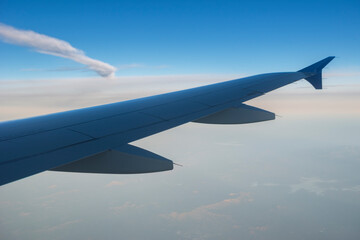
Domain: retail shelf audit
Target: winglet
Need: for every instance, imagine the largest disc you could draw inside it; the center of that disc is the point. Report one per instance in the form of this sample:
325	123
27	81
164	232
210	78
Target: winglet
315	72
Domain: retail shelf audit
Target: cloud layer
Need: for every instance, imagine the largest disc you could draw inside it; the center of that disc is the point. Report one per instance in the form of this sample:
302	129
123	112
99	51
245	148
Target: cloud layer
211	210
30	97
52	46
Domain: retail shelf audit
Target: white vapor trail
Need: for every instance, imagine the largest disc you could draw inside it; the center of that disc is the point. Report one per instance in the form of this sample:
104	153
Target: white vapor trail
49	45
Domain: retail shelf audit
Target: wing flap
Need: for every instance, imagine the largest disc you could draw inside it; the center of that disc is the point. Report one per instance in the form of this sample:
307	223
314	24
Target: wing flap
126	159
239	115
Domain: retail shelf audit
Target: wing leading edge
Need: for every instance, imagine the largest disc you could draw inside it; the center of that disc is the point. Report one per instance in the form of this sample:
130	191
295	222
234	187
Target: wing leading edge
96	139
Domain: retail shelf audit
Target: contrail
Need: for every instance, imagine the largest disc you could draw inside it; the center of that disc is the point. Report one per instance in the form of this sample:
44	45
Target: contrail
49	45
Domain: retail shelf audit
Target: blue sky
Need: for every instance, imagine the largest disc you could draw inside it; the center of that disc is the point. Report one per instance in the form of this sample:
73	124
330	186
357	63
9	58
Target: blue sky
292	178
185	37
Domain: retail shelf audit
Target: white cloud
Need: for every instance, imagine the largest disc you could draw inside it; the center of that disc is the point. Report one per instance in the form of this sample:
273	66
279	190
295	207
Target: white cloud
343	73
53	46
210	210
256	229
125	206
24	214
352	189
230	144
114	183
60	226
314	185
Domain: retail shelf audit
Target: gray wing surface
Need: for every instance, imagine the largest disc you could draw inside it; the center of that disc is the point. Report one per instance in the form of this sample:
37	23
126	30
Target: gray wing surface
96	139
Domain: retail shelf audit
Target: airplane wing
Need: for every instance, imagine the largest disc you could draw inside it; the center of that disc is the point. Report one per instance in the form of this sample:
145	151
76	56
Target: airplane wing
96	139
